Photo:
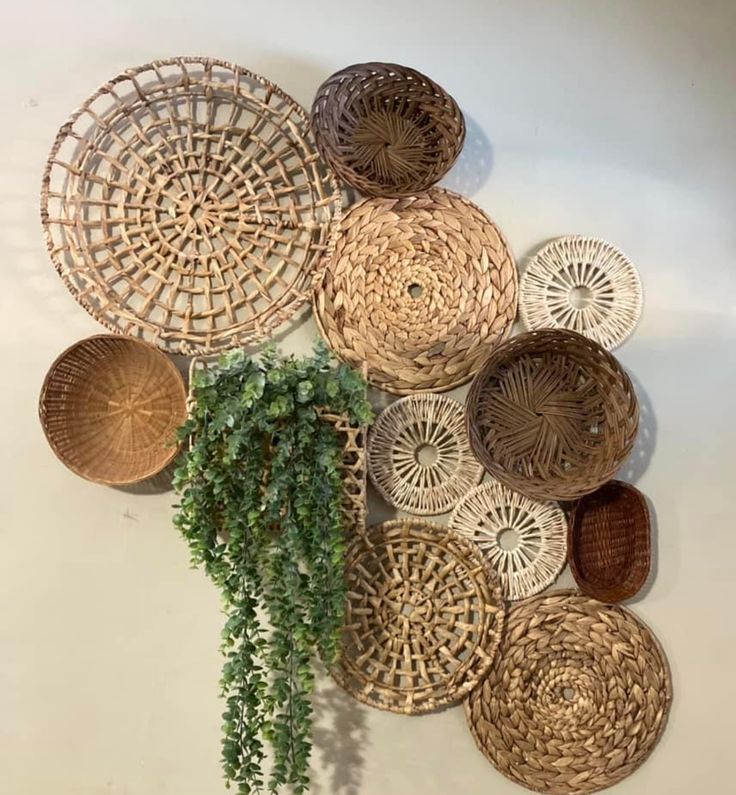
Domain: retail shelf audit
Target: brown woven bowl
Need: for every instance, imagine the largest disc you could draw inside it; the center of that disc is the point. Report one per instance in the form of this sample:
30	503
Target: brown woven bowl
609	542
386	129
110	407
552	415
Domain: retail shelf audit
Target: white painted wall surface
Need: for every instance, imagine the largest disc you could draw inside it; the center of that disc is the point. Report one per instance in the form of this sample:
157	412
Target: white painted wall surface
613	119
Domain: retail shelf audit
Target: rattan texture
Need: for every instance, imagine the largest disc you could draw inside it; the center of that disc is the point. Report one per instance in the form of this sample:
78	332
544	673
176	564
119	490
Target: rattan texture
402	433
419	289
609	540
552	415
424	617
386	129
110	407
583	284
185	203
577	698
491	511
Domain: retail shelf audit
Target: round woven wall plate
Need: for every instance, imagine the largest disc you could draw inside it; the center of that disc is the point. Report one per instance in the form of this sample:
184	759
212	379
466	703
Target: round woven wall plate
552	415
419	289
525	541
424	617
110	407
585	285
419	456
386	129
577	698
184	203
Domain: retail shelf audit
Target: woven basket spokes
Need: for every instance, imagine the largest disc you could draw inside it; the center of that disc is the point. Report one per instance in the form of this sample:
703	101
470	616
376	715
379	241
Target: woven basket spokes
184	203
110	407
386	129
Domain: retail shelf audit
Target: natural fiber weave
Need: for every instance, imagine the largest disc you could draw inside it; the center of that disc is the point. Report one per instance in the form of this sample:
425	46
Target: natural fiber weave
419	289
585	285
110	407
406	431
184	202
577	698
424	617
387	130
533	558
610	550
552	415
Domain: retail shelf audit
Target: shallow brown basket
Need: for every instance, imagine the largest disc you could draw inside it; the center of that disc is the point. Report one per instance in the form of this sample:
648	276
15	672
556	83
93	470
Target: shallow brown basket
386	129
552	415
110	407
609	542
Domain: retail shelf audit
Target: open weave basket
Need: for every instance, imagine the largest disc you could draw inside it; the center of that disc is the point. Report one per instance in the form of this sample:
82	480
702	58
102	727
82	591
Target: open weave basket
424	617
577	698
552	415
184	203
609	542
110	407
386	129
402	434
418	289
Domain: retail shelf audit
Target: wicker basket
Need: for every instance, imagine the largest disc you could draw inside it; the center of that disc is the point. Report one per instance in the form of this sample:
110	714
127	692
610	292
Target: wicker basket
552	415
609	542
387	130
110	407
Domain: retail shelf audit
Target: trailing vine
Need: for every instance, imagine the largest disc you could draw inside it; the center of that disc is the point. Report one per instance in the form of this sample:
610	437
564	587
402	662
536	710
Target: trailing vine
260	506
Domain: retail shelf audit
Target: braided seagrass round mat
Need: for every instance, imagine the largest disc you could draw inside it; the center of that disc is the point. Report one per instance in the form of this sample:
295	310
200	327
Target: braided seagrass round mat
184	202
585	285
577	698
525	541
424	617
419	288
419	456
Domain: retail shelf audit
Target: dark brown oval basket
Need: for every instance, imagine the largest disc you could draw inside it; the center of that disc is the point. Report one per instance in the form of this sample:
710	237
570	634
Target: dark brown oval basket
386	129
609	542
110	407
552	415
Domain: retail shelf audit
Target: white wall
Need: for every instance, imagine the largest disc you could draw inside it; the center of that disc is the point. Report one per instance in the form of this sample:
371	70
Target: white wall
613	119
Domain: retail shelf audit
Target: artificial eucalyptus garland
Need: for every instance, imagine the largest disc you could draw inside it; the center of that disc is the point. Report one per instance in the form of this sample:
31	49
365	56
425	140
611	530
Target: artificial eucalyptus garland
261	507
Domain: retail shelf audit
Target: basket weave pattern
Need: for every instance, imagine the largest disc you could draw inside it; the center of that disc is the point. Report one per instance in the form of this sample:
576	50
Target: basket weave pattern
184	203
419	289
387	130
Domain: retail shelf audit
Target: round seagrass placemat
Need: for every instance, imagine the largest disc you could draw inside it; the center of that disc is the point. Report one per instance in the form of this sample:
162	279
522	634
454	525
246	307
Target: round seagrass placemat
184	202
419	456
418	288
577	697
424	617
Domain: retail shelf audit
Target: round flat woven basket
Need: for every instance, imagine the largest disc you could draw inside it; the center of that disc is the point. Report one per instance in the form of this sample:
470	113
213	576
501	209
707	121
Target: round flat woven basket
419	456
577	697
525	541
419	289
110	407
609	541
386	129
424	617
184	203
585	285
552	415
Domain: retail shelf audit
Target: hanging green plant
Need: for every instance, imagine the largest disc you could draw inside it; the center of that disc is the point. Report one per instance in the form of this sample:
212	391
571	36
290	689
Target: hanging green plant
261	506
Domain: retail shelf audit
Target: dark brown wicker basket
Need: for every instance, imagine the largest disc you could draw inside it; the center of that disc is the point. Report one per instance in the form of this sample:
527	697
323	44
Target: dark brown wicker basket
552	415
609	542
386	129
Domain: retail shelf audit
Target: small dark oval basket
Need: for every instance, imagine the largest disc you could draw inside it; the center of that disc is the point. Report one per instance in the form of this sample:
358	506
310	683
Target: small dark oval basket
609	542
386	129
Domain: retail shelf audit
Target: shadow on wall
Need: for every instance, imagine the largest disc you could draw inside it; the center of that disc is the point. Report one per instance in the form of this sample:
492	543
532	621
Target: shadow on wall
474	166
646	440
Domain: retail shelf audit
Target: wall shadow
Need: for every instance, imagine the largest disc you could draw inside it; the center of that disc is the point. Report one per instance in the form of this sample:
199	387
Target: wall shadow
475	163
638	461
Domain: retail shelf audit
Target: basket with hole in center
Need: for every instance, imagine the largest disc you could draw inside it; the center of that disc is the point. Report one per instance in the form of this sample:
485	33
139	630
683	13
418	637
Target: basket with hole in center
609	542
110	408
552	415
386	129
